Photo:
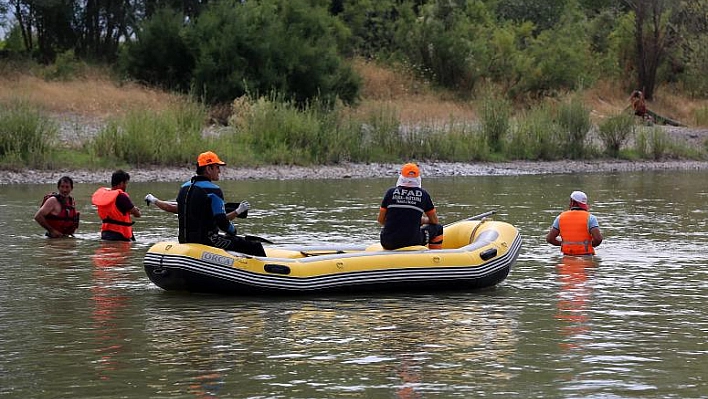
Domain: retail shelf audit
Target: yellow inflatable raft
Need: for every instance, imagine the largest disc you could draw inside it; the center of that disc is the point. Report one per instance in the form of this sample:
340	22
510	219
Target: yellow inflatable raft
475	254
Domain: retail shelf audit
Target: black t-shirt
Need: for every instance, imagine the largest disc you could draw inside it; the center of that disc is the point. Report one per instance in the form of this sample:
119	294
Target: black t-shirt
404	208
123	203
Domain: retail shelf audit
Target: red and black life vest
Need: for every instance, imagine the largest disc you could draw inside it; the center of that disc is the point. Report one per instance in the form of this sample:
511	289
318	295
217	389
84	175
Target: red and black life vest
67	221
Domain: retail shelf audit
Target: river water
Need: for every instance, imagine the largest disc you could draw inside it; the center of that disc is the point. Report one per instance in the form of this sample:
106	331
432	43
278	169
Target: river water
80	319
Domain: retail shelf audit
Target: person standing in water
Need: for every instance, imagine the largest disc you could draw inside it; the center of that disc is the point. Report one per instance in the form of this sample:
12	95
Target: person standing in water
576	230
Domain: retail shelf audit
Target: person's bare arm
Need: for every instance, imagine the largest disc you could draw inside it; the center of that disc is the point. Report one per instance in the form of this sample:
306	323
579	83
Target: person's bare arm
382	216
51	205
135	211
596	236
431	217
166	206
552	237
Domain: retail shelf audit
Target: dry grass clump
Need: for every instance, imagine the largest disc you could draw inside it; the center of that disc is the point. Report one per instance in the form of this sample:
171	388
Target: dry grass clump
413	100
93	96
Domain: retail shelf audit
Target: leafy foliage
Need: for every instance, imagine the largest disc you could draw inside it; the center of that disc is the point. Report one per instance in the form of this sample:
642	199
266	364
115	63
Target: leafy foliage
574	120
542	13
272	45
159	56
615	131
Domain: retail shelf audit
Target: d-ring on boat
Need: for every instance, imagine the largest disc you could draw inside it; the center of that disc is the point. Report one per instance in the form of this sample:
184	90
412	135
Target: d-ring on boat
476	254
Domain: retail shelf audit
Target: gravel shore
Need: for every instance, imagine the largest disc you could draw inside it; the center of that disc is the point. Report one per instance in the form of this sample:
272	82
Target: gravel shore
355	171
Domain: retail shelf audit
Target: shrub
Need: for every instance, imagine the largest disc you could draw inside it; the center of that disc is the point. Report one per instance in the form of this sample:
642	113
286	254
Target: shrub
652	143
171	137
65	67
574	121
26	136
449	43
535	136
560	59
283	133
701	116
495	116
615	131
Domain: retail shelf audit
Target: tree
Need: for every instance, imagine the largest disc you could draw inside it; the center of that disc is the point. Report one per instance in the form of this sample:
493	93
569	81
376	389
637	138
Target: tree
653	36
287	47
159	55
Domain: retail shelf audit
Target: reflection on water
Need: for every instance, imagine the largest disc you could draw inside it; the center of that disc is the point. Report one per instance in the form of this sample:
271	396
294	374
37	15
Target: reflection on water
81	319
574	299
109	300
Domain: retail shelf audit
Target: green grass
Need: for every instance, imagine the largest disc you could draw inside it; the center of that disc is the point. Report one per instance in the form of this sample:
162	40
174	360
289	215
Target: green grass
271	131
26	136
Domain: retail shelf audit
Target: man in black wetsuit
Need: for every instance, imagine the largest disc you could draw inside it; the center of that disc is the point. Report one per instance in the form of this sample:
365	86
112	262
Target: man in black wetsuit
404	209
201	212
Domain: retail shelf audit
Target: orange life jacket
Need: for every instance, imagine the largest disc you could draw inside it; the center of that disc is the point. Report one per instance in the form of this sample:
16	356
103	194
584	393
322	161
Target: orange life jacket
573	226
113	219
67	221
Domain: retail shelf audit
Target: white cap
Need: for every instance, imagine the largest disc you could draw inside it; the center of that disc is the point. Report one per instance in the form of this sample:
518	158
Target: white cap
579	196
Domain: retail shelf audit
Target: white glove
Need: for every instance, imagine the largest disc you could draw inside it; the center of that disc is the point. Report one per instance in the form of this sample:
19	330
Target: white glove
150	199
243	207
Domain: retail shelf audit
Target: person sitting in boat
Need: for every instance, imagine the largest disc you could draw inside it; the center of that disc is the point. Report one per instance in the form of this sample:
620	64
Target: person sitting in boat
116	209
58	214
576	230
408	215
201	212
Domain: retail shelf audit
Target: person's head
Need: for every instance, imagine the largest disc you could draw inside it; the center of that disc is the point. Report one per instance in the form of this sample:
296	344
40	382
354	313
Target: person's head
637	94
119	179
410	176
65	185
209	165
410	170
579	199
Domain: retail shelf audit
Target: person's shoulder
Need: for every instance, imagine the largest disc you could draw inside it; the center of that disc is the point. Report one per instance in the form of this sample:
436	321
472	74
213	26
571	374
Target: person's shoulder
51	199
124	197
207	184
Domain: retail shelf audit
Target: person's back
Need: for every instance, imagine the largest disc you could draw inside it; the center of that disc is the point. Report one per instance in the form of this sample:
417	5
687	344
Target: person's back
116	209
195	211
576	230
402	211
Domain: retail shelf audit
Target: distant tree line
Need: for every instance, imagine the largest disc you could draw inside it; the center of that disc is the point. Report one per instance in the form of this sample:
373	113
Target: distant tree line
222	49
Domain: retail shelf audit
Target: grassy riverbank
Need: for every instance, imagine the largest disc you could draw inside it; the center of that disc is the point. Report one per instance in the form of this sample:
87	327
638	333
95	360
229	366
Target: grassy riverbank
90	121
